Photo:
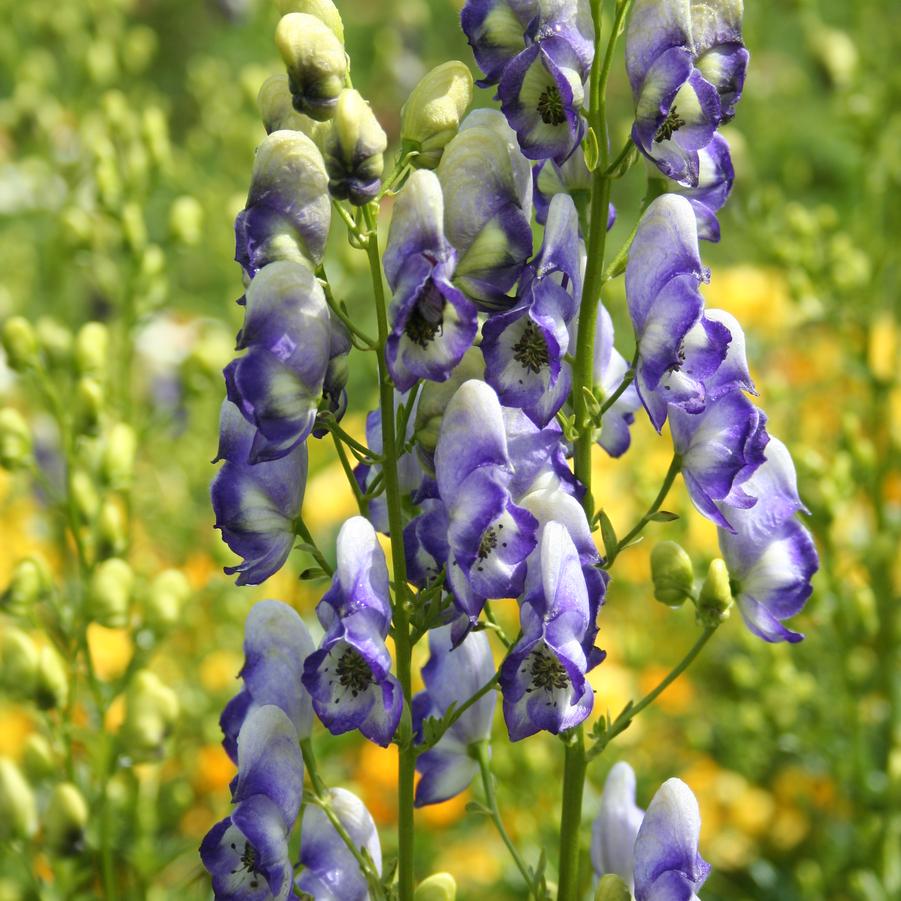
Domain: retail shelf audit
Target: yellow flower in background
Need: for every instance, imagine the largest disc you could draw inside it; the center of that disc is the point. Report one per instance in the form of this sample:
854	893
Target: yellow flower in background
110	649
756	296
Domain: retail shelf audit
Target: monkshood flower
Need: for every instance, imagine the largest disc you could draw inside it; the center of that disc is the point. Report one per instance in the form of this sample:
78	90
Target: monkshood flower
678	346
452	676
287	334
572	177
334	383
425	542
720	449
543	678
349	676
329	870
610	368
655	852
686	64
524	347
256	505
432	322
487	185
288	210
496	31
276	643
247	853
715	177
771	557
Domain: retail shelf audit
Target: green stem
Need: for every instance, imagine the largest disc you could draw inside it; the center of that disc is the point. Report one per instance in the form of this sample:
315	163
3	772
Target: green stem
329	422
300	527
628	378
362	503
402	643
574	767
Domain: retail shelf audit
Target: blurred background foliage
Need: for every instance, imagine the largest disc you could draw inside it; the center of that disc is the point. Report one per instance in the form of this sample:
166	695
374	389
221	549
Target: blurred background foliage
127	131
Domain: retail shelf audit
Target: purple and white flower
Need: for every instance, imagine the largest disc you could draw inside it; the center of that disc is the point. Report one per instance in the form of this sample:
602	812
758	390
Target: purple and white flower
715	177
610	368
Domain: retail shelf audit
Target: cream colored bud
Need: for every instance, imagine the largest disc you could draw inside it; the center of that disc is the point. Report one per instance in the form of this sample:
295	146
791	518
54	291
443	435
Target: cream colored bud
431	116
92	349
15	439
437	887
55	341
20	343
277	111
168	593
151	709
19	662
671	573
612	888
112	528
715	598
84	494
90	398
38	759
109	596
118	457
324	10
186	220
30	582
65	820
52	688
18	810
353	150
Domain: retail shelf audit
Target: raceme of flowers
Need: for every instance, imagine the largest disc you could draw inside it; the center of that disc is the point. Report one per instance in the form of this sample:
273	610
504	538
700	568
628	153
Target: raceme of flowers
468	457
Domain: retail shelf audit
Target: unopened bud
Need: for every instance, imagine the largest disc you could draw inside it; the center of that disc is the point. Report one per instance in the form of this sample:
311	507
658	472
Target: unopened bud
715	599
133	227
52	686
20	343
612	888
168	593
431	116
55	340
353	150
15	439
89	405
110	593
316	63
151	709
277	111
438	887
18	810
324	10
671	573
30	582
112	529
118	458
19	661
38	758
84	494
92	349
65	820
186	220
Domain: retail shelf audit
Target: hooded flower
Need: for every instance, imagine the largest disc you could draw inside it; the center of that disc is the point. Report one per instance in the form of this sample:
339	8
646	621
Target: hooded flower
329	870
524	347
288	210
277	384
432	322
247	852
425	542
686	64
571	177
610	368
496	31
349	676
771	557
276	643
487	185
678	346
715	177
655	853
452	676
543	678
255	505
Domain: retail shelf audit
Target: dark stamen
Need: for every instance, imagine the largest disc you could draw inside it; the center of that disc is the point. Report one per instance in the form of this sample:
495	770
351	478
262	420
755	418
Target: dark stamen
548	673
550	106
353	672
488	542
531	349
427	317
671	125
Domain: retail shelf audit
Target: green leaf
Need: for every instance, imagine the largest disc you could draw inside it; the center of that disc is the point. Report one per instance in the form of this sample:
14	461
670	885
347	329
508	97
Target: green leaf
476	807
590	149
608	534
314	572
663	516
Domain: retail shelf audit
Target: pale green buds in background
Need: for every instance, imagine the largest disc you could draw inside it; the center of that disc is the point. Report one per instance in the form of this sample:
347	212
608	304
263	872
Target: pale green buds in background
112	529
431	116
109	596
18	810
65	820
19	661
52	687
84	494
55	341
92	350
30	583
715	599
672	574
38	759
168	593
324	10
612	888
316	63
20	343
90	398
151	709
118	457
353	150
438	887
186	220
15	439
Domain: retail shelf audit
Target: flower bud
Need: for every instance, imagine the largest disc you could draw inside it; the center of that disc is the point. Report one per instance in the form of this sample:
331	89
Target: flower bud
55	341
118	458
110	591
186	220
431	116
168	593
612	888
52	685
316	63
277	110
15	439
89	405
18	811
112	529
715	598
438	887
20	343
353	150
38	758
29	583
65	819
672	573
84	494
151	709
324	10
92	349
19	661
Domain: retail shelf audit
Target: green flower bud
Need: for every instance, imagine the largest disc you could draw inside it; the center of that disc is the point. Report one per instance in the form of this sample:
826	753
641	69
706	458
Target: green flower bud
133	227
118	457
438	887
19	662
15	439
186	220
18	810
30	582
277	111
672	574
89	405
52	686
20	343
92	349
316	63
324	10
84	494
715	599
110	591
353	150
612	888
55	341
112	529
431	116
168	593
38	758
151	709
65	819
